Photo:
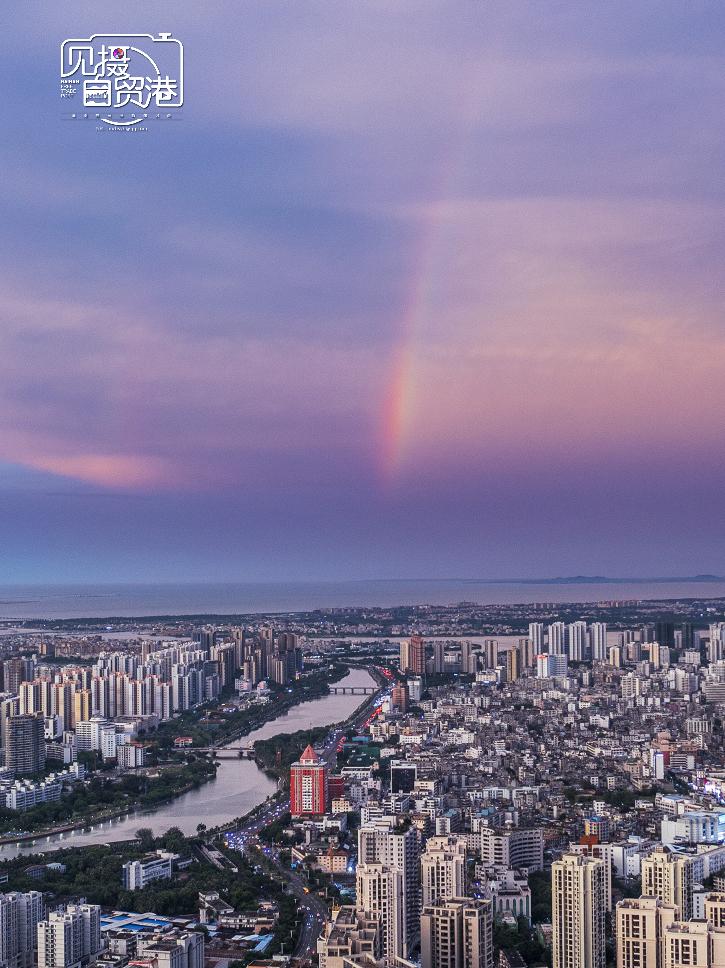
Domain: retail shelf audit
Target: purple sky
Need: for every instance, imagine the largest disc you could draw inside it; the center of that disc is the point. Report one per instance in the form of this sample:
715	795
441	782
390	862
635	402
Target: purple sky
416	289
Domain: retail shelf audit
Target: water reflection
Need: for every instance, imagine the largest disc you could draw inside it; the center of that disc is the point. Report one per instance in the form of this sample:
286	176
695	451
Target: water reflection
239	784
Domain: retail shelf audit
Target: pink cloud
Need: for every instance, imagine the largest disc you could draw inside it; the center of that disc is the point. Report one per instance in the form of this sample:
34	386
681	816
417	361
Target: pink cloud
123	471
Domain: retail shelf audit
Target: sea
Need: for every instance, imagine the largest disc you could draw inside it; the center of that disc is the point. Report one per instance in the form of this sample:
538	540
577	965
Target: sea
235	598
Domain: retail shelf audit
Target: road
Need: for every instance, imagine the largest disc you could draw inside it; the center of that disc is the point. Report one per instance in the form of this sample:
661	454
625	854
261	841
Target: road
313	909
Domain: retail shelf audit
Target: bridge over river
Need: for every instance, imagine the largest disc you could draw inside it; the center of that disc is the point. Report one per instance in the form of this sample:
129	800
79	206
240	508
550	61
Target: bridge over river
238	786
353	690
224	752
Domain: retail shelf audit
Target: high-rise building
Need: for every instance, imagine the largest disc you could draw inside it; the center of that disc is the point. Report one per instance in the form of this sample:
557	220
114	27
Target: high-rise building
412	655
83	706
551	665
536	634
640	930
443	870
468	659
71	938
9	707
226	657
715	909
578	912
557	638
457	934
439	658
522	847
19	917
630	686
31	698
490	653
25	744
399	698
669	876
415	688
90	918
207	637
591	847
665	633
308	785
349	939
598	641
379	892
716	642
63	703
693	944
398	850
578	641
417	655
687	635
528	655
513	665
15	671
659	655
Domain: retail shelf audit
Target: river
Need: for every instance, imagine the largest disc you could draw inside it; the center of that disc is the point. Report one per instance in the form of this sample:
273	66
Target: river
238	786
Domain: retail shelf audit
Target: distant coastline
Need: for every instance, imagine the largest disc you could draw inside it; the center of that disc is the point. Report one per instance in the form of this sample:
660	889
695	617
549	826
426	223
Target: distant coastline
593	580
208	600
100	586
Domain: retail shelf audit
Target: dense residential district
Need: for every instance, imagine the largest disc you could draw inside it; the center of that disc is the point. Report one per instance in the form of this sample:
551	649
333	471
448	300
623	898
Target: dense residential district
549	795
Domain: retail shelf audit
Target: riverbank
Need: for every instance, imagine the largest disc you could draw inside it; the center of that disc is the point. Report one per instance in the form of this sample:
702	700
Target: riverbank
281	701
238	787
213	733
275	761
202	771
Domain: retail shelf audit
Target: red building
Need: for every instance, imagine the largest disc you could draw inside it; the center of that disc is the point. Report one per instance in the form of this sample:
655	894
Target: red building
417	655
335	788
308	785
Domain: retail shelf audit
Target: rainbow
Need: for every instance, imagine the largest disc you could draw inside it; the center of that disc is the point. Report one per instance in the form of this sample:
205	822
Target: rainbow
399	399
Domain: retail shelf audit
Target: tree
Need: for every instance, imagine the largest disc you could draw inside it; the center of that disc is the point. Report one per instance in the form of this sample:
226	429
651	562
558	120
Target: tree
540	884
173	840
90	759
145	837
200	828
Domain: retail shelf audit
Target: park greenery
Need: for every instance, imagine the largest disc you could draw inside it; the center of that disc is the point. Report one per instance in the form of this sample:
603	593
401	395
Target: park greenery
96	873
103	795
523	939
276	754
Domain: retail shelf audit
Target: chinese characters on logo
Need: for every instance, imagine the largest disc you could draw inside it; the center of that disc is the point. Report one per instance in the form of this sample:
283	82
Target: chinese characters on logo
123	80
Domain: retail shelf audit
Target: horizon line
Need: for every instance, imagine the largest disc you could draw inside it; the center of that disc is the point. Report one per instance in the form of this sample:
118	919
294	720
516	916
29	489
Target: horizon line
557	580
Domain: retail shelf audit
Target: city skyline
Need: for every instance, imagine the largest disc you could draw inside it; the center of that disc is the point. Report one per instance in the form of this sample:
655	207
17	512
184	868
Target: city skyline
319	792
431	291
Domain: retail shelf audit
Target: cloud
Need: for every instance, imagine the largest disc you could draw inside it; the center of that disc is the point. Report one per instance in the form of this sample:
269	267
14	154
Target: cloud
526	198
107	470
563	324
136	404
